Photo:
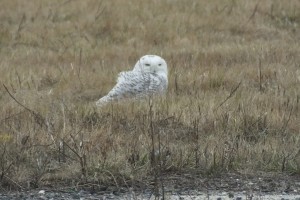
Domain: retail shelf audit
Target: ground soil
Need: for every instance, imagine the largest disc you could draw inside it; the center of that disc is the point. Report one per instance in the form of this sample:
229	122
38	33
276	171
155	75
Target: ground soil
229	185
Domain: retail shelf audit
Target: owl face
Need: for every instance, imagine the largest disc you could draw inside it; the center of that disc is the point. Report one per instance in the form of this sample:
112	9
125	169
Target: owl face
153	64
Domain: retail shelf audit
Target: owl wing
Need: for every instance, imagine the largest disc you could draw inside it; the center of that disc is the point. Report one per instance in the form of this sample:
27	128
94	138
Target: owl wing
129	84
139	84
134	84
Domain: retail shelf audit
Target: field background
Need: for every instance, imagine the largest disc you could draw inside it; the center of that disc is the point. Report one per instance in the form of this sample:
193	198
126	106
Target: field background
232	103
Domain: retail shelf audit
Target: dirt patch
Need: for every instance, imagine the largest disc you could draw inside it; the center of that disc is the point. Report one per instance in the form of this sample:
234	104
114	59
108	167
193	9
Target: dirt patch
177	186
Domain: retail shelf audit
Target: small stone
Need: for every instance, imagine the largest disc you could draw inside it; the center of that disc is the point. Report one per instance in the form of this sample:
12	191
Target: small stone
42	192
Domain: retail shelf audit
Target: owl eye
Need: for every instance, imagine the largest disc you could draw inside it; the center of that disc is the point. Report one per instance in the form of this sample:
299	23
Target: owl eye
147	64
159	64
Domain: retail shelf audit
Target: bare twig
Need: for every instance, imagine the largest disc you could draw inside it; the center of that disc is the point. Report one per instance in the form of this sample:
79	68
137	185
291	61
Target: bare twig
14	182
260	76
230	95
176	84
80	154
253	13
100	11
285	124
11	116
20	27
38	118
61	4
115	180
79	67
72	149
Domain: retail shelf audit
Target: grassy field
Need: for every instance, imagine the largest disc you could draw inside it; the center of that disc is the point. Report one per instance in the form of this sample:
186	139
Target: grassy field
232	103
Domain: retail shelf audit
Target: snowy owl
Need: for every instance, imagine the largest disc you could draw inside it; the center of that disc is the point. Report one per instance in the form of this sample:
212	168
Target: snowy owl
148	77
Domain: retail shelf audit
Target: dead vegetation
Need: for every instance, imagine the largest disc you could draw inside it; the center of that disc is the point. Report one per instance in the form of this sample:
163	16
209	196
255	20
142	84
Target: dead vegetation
232	103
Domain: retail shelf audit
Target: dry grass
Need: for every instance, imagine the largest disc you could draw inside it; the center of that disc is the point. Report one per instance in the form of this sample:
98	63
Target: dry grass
232	104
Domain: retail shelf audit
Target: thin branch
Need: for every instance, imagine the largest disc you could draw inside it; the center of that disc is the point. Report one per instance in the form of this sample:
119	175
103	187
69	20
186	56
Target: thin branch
285	124
20	27
260	76
100	11
10	116
14	182
72	149
39	119
255	10
253	13
230	95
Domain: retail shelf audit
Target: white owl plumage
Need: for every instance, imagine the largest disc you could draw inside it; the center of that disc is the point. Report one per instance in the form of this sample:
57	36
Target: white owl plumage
148	77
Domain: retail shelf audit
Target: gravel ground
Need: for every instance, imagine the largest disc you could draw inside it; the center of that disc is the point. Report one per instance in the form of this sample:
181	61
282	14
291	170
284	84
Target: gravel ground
82	195
178	187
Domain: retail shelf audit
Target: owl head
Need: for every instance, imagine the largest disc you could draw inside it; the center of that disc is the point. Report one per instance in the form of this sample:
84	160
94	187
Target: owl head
152	64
